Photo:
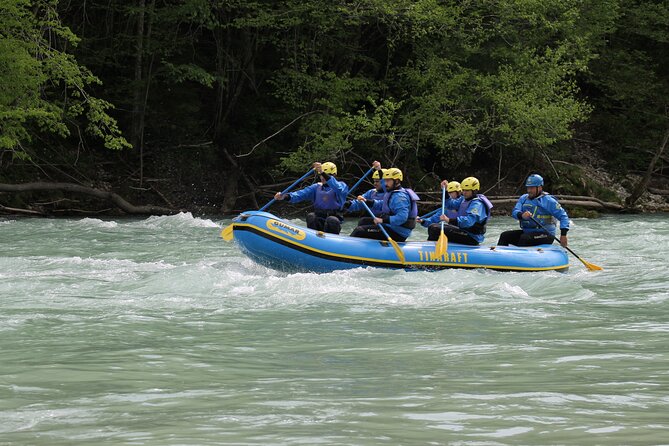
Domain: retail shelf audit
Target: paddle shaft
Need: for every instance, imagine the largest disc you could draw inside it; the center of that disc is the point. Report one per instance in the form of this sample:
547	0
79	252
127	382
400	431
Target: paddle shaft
362	178
443	207
555	238
371	214
442	242
288	189
396	247
429	214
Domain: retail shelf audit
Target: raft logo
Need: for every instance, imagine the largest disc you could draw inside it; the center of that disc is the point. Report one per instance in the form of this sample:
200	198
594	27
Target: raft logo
448	257
285	229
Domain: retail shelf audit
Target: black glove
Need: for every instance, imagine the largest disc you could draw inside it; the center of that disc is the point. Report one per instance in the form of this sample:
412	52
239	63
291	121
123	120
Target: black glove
347	205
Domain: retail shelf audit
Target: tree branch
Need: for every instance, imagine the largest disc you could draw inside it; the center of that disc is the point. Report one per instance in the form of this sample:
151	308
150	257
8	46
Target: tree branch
116	199
277	132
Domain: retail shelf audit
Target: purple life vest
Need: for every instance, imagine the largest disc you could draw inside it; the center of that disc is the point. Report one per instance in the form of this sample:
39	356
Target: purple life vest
452	213
462	211
326	199
376	195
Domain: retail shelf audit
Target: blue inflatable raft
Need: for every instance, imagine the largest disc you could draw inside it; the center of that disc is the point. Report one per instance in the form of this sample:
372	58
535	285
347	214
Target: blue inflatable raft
280	245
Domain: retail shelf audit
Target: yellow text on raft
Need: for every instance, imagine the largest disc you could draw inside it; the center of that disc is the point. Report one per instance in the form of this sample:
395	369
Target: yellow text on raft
285	229
448	257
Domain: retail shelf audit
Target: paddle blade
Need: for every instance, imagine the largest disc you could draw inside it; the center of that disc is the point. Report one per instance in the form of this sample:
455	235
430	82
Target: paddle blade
591	266
398	250
227	233
442	245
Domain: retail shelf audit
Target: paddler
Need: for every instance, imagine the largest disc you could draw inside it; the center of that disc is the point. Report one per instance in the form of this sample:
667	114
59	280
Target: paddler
544	208
328	197
468	225
376	194
398	213
452	205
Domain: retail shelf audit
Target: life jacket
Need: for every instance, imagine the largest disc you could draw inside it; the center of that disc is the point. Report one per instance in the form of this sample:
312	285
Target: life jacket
487	204
376	195
326	199
478	227
455	213
462	210
413	211
452	213
545	219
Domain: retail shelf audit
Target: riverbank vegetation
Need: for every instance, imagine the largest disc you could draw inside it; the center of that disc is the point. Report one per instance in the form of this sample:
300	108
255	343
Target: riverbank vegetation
213	105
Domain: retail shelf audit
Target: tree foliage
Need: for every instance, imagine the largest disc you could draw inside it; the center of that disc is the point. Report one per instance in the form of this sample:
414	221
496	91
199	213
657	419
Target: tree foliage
429	85
43	89
629	83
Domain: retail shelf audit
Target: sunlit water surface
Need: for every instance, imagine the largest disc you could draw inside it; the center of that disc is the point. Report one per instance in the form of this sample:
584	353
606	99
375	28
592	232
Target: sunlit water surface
155	331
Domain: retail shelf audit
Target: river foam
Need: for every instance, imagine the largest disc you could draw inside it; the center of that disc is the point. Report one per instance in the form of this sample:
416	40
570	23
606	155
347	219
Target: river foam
156	331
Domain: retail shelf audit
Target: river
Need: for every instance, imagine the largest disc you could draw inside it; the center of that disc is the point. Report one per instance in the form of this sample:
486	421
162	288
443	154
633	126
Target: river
156	332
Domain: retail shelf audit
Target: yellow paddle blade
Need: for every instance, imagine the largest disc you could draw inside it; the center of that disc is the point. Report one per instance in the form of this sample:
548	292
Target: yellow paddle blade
442	245
398	250
591	266
227	233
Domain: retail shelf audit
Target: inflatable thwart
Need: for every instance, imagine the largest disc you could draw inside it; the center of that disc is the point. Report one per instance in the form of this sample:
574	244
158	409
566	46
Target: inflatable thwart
280	245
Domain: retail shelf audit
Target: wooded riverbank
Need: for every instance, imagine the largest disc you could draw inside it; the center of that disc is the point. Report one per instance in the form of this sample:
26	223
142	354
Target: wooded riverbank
158	106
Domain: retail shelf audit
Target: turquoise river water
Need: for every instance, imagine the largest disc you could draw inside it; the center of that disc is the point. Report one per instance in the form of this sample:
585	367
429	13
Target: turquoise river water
156	332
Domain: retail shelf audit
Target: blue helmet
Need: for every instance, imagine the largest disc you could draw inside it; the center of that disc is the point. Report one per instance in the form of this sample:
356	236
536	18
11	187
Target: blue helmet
534	180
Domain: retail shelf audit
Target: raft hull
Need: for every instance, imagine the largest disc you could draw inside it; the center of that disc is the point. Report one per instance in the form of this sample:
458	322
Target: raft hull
278	244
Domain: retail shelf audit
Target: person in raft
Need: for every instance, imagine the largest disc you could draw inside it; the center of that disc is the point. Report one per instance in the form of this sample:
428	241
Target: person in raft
328	197
399	210
544	208
376	194
452	205
468	226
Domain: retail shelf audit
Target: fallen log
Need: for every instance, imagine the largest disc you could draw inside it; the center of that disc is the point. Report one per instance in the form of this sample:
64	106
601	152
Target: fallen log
116	199
568	200
9	210
588	204
656	191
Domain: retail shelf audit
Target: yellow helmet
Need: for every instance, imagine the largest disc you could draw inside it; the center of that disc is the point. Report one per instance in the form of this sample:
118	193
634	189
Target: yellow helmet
376	176
393	173
329	168
470	183
454	186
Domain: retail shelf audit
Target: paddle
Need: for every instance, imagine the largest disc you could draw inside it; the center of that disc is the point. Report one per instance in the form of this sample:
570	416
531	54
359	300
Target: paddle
396	247
590	266
288	189
429	214
355	186
227	232
442	243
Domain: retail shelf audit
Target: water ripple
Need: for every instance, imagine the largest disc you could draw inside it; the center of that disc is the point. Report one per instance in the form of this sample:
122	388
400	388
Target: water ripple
155	331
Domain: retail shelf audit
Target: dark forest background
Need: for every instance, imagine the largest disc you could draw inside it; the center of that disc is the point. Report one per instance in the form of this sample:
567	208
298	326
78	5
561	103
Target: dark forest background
213	105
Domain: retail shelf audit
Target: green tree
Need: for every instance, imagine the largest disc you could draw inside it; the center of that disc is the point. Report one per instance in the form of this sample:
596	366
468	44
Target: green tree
629	85
42	87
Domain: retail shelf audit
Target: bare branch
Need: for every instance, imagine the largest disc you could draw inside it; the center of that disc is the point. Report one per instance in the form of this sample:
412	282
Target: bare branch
277	132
